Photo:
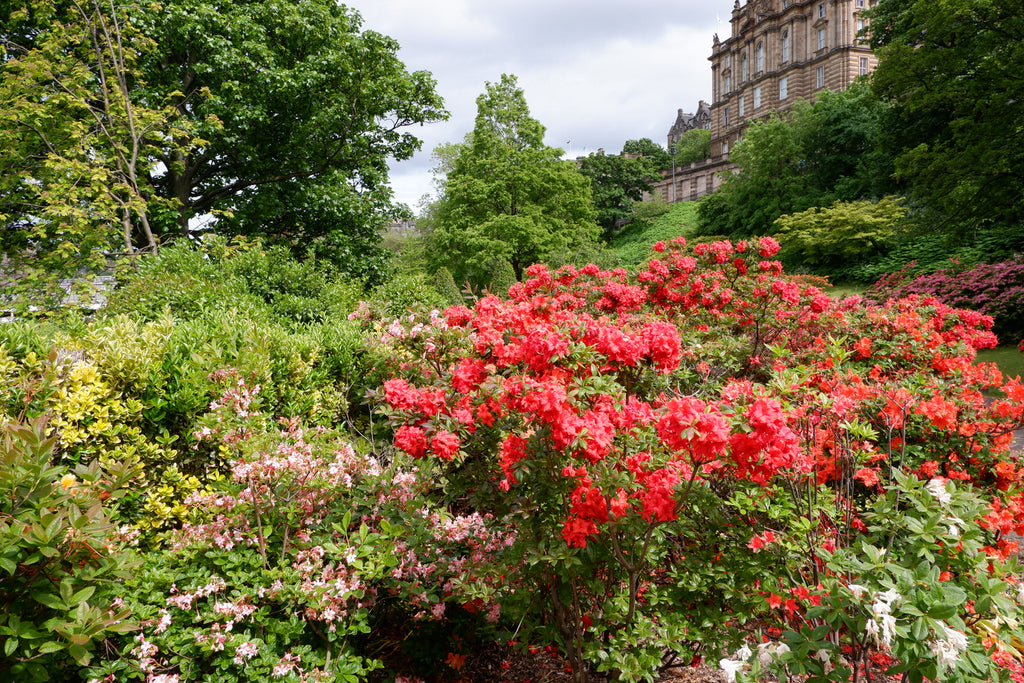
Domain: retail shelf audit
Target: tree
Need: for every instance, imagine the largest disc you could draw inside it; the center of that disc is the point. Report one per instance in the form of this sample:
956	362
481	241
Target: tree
277	118
79	145
812	155
650	151
617	182
508	195
768	182
954	71
292	93
841	136
694	145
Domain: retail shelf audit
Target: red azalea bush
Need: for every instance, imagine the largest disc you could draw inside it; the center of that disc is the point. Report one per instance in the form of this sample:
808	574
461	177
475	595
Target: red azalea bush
995	289
706	453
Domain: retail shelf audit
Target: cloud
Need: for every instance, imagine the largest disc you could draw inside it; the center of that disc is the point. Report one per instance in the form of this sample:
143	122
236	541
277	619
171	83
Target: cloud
594	73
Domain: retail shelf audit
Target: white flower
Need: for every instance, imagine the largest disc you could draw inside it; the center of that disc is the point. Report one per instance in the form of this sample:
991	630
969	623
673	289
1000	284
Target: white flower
730	667
824	656
955	524
890	596
888	630
872	629
955	638
945	654
743	653
937	487
768	653
857	590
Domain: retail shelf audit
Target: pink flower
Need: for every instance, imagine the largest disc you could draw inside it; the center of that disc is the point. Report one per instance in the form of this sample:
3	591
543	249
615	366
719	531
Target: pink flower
244	652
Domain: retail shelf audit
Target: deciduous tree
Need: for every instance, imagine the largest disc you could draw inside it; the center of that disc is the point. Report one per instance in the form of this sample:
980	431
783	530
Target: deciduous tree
79	145
277	118
694	145
953	71
617	182
508	195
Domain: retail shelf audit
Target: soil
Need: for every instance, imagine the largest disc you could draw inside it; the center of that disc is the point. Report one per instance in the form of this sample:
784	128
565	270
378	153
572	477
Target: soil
496	663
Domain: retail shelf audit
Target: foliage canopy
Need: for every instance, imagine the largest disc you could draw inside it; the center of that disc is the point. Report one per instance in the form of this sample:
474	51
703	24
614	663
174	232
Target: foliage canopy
508	195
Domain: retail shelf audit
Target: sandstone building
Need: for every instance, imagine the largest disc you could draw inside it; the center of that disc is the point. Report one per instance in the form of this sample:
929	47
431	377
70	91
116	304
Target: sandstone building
779	52
685	122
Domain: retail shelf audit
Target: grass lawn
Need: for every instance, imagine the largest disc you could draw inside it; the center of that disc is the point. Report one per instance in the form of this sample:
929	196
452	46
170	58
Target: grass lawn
843	291
633	246
1008	358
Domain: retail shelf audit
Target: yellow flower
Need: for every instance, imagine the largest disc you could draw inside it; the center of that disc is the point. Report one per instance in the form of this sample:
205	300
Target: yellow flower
68	481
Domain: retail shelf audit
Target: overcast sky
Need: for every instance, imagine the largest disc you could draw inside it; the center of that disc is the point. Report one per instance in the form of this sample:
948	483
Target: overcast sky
595	72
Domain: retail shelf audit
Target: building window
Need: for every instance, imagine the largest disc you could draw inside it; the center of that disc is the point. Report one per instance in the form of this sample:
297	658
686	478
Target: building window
743	108
863	66
727	84
860	25
725	116
743	69
783	87
785	46
819	77
785	4
728	61
759	58
860	3
725	146
757	96
821	10
821	39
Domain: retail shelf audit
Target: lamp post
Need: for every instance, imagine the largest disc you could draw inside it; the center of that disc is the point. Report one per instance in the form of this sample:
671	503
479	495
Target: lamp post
673	173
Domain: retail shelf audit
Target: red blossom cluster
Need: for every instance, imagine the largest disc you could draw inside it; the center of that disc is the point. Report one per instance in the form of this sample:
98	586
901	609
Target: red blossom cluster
565	372
566	366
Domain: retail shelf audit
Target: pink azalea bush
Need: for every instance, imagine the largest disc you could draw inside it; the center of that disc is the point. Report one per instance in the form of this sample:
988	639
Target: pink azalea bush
299	546
995	289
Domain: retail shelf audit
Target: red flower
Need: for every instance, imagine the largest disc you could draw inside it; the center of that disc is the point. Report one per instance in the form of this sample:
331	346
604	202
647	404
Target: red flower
445	445
455	661
759	542
412	440
400	395
867	475
576	530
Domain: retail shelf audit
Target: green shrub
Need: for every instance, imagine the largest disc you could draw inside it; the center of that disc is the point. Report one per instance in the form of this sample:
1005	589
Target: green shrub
59	566
842	232
502	277
445	285
405	292
185	279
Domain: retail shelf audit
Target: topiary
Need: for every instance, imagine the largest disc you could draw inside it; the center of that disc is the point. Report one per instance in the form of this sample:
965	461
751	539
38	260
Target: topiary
502	277
445	285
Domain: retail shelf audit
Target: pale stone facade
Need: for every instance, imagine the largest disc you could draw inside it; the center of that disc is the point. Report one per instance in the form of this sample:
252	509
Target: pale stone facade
780	51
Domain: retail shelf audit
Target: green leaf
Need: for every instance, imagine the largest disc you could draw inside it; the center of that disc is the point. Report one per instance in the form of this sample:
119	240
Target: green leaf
82	595
51	646
942	611
50	600
80	654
